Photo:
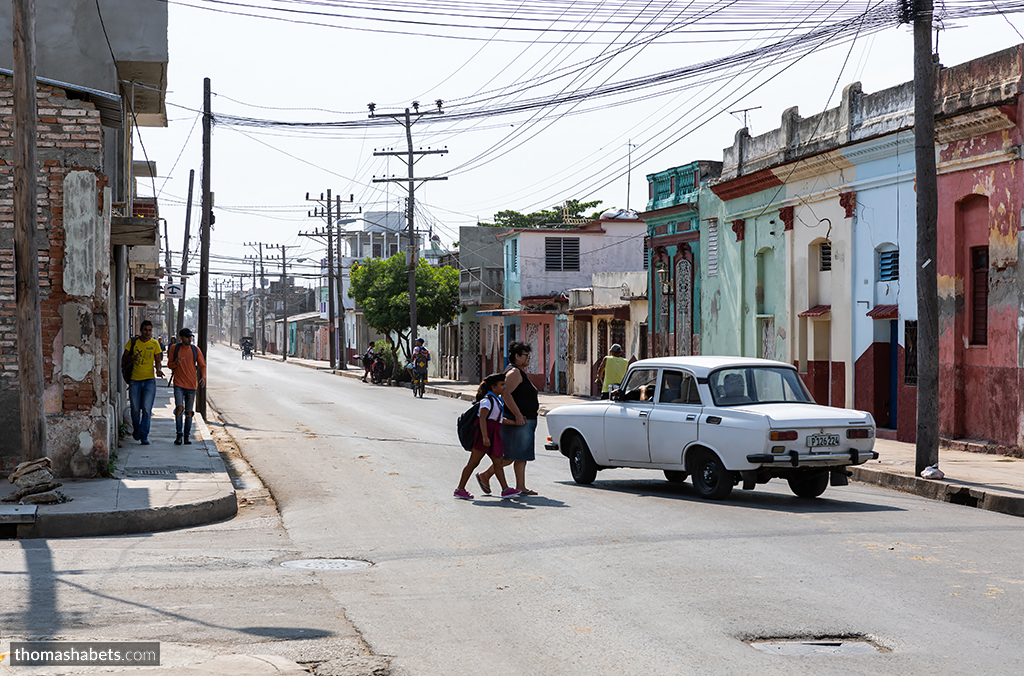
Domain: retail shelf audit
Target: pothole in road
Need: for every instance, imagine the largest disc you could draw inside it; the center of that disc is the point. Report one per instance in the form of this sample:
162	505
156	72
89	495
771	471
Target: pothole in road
817	646
327	564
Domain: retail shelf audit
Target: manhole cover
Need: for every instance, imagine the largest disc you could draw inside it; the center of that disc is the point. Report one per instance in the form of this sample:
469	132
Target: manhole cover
838	646
327	564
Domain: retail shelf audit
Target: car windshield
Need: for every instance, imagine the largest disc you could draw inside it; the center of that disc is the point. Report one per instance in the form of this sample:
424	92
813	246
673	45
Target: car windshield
757	385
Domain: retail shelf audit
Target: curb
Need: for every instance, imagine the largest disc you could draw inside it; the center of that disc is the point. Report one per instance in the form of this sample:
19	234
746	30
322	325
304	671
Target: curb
957	494
147	520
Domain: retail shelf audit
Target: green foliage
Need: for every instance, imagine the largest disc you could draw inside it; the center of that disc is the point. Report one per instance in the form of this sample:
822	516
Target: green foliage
111	460
381	288
554	217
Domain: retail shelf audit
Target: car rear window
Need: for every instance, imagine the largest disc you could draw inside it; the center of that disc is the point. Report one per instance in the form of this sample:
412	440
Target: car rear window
757	385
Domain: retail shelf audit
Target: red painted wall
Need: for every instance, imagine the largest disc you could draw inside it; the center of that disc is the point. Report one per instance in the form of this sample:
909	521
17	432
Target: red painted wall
979	393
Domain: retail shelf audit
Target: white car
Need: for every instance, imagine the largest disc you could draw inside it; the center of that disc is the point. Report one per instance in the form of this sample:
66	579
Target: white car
721	420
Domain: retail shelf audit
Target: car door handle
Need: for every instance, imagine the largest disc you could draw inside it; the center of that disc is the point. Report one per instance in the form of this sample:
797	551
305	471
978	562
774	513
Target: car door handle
642	414
713	420
691	417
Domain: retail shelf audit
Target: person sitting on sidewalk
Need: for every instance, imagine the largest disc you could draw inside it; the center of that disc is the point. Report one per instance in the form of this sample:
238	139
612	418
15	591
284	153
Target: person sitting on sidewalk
189	368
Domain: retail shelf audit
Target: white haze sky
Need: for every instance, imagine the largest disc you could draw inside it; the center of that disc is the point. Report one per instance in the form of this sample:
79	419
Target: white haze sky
270	69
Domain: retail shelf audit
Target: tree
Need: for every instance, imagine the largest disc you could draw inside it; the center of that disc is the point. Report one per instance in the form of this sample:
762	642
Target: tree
555	216
381	289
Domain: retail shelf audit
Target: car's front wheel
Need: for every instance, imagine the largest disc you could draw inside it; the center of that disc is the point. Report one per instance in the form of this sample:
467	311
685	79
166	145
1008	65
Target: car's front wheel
710	477
675	476
808	485
581	462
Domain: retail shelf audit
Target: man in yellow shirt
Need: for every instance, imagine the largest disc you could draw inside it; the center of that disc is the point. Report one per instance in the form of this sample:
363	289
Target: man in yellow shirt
612	370
145	354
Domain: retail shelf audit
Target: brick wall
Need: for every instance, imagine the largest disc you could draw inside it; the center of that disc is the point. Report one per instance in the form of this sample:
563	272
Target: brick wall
75	327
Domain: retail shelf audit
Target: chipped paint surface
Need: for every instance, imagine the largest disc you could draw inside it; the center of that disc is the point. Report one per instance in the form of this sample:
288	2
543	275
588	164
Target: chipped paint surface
77	364
81	258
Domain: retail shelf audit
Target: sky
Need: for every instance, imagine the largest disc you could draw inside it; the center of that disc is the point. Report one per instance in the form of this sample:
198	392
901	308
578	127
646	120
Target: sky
527	161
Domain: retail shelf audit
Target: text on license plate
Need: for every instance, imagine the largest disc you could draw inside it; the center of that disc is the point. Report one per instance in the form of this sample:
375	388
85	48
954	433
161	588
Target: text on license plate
818	440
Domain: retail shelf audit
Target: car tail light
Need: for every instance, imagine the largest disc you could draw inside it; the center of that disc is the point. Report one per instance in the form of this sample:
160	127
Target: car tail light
549	440
789	435
859	433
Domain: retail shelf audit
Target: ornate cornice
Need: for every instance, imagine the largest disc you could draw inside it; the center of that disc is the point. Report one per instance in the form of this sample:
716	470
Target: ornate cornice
972	125
742	186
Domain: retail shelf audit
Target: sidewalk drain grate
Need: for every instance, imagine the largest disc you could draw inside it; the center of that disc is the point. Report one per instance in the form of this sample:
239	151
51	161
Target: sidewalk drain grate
327	564
821	646
160	472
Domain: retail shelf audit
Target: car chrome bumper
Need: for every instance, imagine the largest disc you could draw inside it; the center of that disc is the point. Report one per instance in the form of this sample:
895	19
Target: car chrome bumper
551	447
796	459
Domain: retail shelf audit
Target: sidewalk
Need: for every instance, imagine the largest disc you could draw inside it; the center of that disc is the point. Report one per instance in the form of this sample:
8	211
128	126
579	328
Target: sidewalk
986	481
156	487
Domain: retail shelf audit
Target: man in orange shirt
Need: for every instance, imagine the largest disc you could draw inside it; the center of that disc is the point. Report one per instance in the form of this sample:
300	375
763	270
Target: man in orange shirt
189	367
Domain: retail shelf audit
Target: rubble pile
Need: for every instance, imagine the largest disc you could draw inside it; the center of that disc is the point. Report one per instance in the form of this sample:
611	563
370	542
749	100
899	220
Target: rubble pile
35	484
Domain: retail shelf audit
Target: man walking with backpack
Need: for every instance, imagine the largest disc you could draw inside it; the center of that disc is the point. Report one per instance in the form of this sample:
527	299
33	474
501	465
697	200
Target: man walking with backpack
189	367
142	355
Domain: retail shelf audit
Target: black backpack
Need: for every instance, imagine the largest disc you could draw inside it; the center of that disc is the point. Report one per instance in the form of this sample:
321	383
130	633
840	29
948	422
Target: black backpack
468	424
127	366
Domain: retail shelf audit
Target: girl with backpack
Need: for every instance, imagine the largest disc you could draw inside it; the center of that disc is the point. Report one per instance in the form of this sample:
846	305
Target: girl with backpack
488	436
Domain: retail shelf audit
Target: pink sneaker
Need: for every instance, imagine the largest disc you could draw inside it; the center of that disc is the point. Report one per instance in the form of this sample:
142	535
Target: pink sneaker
510	492
463	494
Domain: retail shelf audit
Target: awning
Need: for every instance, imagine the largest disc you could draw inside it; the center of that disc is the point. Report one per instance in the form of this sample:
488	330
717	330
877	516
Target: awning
884	312
816	311
617	311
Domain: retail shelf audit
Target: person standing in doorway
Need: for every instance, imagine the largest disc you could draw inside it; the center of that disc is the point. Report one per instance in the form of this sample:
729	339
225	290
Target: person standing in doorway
145	355
189	367
522	406
612	370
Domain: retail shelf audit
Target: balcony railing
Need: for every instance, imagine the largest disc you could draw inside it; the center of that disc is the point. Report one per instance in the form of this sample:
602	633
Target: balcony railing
482	285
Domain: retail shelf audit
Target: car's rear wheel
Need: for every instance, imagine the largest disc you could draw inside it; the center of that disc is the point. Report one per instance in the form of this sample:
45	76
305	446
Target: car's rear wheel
675	476
581	462
710	477
808	485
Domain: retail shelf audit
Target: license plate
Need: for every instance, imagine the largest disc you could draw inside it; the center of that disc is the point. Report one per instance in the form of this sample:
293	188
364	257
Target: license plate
819	440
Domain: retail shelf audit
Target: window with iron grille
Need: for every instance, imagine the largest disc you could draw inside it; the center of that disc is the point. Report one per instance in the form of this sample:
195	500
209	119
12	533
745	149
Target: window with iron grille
647	254
581	330
889	265
618	333
561	254
713	248
513	255
824	257
979	295
910	353
602	338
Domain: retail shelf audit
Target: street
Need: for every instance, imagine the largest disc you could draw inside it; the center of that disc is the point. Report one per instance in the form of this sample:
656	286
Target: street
629	576
632	575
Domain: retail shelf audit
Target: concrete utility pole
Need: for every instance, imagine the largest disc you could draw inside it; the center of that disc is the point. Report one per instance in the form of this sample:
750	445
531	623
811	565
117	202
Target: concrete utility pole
168	302
333	276
26	221
927	240
184	251
409	157
254	297
204	249
261	341
284	293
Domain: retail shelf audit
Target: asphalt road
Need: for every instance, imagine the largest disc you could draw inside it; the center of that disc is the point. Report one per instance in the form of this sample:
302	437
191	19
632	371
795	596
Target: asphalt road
631	575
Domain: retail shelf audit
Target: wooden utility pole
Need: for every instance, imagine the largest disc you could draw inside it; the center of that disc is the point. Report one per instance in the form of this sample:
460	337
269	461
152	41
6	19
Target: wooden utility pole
204	248
26	221
184	251
409	156
284	294
260	343
927	241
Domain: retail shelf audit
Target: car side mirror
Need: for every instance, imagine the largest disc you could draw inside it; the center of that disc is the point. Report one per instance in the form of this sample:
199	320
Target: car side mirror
616	394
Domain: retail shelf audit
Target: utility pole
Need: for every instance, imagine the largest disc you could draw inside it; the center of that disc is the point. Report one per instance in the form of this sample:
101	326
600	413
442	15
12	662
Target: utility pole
26	221
261	344
333	275
168	303
284	293
254	297
927	240
321	213
204	255
184	251
409	157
